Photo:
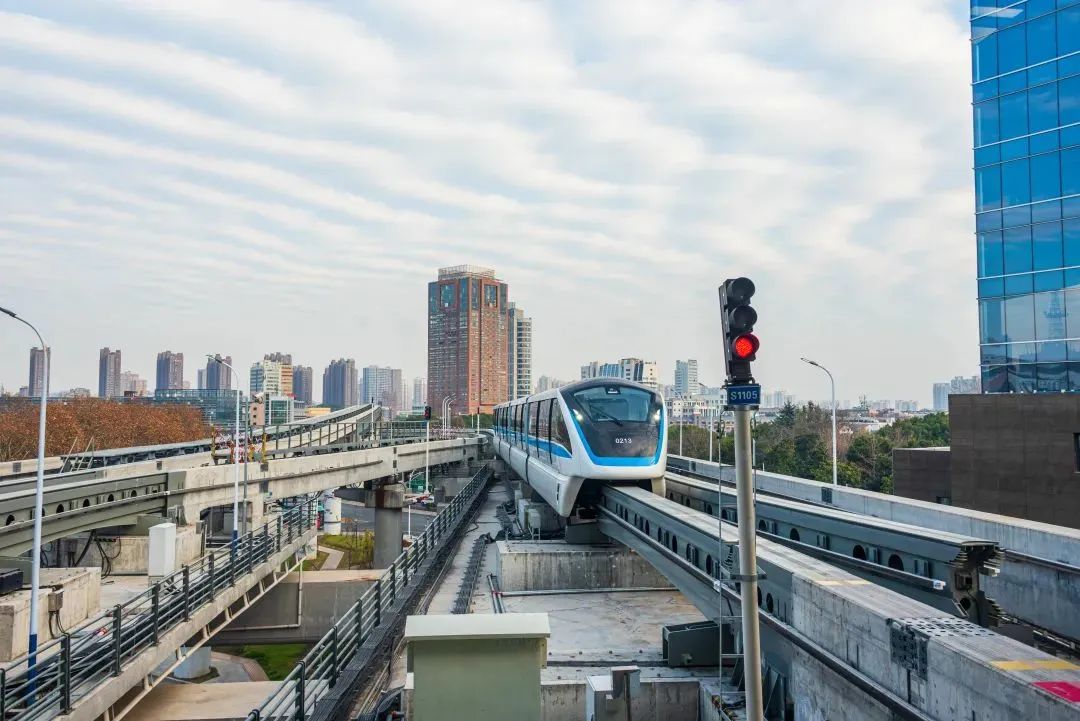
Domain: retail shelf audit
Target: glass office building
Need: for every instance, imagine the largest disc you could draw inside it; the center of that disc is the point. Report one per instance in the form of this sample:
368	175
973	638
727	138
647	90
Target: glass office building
1026	95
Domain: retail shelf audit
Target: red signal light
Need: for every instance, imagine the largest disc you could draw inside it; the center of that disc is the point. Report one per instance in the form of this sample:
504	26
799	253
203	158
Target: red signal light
745	346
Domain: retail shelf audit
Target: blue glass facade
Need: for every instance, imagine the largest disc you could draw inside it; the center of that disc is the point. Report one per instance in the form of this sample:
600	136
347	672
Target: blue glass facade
1026	100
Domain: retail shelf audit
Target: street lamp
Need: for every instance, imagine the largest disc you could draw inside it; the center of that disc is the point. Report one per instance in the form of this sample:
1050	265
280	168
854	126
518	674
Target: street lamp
446	403
236	450
832	384
39	496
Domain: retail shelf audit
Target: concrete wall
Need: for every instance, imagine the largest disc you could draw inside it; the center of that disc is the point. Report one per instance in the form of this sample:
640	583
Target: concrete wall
326	596
131	554
556	565
1017	455
922	473
660	700
81	588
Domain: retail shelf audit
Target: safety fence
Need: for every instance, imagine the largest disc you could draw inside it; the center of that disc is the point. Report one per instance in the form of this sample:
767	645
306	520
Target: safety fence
319	671
75	664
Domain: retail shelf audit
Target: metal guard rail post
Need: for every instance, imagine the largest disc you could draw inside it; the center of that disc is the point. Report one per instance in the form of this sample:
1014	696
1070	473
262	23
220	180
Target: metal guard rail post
73	665
318	671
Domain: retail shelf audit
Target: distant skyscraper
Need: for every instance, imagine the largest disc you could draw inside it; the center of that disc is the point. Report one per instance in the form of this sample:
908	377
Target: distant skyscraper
217	376
302	380
131	384
467	339
1027	192
519	352
37	371
382	385
959	385
941	397
686	378
170	371
109	374
630	369
272	378
546	383
200	379
285	360
419	392
340	383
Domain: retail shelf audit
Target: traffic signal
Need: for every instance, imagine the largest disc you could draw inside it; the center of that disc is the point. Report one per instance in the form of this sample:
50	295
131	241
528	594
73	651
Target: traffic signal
427	413
740	343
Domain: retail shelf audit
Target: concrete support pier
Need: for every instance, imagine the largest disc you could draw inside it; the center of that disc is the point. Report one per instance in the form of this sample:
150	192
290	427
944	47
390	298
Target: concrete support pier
332	516
387	501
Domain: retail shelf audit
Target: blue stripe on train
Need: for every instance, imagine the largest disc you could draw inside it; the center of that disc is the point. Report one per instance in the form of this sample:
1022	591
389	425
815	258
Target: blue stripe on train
541	444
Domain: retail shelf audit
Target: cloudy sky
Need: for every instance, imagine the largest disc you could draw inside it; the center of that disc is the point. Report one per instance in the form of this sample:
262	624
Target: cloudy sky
244	177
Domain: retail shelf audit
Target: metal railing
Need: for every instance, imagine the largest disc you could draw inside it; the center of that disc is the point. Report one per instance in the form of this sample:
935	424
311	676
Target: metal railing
318	671
73	665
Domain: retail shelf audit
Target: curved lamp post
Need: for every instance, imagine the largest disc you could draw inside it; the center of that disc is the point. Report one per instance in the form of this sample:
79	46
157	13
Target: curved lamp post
832	384
39	496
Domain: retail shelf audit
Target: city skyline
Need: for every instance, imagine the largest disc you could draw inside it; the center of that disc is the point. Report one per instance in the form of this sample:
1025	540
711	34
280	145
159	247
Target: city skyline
127	145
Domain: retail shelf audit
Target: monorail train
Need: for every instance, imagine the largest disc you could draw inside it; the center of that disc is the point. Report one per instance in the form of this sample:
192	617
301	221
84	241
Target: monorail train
565	442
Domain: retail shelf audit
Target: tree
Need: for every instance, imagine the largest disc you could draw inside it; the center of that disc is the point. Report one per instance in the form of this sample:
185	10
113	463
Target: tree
96	422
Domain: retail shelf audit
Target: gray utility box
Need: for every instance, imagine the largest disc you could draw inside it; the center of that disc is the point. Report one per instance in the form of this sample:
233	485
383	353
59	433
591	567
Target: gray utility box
693	644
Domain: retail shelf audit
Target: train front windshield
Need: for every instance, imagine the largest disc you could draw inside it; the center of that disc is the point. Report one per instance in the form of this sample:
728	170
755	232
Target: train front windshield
618	420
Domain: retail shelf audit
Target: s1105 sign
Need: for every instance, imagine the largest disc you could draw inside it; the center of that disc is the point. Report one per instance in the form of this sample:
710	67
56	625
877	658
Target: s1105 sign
748	395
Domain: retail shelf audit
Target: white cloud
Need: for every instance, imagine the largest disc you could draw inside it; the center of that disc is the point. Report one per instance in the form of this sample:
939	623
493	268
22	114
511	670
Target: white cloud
315	163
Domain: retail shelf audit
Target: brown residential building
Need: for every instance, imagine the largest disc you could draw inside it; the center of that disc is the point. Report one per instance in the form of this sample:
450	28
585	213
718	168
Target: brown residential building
468	340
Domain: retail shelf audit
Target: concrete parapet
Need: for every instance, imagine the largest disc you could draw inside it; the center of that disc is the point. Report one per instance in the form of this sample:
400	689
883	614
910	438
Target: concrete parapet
81	592
660	699
556	565
128	554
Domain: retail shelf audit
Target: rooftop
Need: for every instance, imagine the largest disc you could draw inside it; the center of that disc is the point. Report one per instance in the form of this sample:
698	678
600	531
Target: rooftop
455	271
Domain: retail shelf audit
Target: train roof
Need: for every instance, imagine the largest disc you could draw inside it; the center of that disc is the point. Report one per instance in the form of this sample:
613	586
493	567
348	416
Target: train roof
581	385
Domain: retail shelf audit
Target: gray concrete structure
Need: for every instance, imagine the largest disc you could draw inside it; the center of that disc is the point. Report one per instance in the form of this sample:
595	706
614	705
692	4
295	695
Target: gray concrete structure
148	668
120	498
1039	581
387	500
300	609
549	565
76	590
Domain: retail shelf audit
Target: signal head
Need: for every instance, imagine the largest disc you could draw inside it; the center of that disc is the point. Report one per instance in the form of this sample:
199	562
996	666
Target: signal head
744	347
739	291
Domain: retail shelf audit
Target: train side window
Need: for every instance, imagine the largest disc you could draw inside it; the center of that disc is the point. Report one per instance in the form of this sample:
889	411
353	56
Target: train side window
543	429
559	434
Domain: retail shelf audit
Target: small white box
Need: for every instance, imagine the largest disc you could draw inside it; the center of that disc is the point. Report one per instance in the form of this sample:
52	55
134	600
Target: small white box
162	560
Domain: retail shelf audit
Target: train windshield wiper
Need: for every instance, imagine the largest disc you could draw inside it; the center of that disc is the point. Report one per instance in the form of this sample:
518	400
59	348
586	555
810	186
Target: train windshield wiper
605	414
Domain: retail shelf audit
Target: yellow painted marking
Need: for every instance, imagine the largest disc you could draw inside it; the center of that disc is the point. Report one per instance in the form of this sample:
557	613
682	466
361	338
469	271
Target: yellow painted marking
1036	664
842	582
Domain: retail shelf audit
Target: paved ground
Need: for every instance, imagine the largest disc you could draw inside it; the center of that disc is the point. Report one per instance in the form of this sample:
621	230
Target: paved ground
333	558
235	669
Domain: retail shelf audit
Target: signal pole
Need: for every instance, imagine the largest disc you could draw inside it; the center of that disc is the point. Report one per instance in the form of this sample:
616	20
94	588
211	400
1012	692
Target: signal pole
744	396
